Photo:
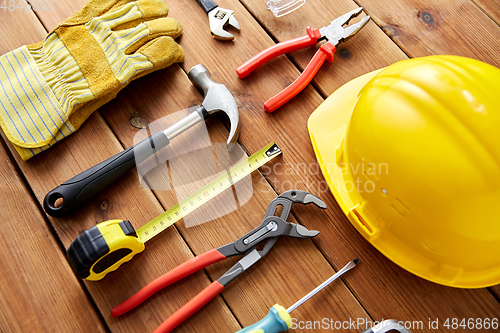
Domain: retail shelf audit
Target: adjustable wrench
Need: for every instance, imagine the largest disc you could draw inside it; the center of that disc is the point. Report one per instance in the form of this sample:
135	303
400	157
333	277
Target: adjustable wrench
218	19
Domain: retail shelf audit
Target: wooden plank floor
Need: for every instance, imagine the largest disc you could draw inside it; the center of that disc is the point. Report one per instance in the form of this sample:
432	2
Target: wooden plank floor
40	293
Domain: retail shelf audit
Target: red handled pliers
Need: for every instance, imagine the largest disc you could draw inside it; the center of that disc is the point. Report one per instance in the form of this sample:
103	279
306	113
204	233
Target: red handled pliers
333	34
271	228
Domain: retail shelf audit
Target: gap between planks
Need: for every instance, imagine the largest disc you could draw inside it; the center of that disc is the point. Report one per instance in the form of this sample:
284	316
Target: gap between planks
494	14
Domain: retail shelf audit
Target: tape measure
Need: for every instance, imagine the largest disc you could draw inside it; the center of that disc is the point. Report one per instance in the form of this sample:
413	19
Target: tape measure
104	247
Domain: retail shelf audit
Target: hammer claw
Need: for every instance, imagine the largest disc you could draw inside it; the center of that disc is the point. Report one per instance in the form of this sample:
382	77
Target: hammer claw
217	98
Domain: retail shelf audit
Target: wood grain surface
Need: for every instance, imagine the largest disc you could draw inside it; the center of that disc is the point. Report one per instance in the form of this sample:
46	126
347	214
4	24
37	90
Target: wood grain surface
377	289
490	8
423	27
39	292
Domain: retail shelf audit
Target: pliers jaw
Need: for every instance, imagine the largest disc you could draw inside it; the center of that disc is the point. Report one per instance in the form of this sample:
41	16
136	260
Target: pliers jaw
288	198
271	228
335	31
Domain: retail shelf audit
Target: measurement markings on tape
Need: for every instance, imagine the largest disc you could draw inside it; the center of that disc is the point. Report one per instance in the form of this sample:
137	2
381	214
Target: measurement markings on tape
209	191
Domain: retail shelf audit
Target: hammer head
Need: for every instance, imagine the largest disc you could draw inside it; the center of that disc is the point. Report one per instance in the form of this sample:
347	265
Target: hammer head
217	98
219	18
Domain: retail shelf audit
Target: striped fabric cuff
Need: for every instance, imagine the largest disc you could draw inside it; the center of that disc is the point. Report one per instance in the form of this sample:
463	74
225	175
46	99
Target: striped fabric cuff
27	153
62	74
30	114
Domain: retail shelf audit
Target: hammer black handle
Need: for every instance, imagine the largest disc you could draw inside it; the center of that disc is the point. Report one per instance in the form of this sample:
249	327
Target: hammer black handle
86	185
207	5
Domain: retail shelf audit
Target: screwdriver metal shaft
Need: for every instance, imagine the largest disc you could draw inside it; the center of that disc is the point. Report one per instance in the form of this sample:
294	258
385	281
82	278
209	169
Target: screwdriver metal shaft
346	268
279	320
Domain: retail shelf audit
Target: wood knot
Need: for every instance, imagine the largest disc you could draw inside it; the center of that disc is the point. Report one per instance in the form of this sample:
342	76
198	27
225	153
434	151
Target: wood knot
391	30
427	17
138	122
104	205
345	53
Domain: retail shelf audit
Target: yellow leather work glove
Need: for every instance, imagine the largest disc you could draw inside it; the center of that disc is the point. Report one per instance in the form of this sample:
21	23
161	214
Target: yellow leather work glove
48	89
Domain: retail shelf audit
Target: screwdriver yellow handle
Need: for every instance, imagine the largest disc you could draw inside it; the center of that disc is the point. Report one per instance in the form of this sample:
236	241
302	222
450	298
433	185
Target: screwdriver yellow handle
277	320
103	248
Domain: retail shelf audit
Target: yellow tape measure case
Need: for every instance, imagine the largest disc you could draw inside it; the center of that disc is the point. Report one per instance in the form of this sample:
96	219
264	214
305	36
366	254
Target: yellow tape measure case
103	248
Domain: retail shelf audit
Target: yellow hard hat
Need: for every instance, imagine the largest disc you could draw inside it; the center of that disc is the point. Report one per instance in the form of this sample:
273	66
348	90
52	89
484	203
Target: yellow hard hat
412	155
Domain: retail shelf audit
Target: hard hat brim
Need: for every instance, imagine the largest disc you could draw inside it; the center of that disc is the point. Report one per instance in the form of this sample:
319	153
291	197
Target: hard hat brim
327	128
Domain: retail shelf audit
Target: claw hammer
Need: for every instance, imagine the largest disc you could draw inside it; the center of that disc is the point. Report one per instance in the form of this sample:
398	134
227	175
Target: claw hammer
86	185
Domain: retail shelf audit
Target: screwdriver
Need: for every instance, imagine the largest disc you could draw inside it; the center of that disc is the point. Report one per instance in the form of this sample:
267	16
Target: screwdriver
279	320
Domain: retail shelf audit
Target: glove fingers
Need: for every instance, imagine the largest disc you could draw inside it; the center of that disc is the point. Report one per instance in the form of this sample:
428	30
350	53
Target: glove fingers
100	8
165	26
134	11
162	52
152	8
127	13
92	9
156	54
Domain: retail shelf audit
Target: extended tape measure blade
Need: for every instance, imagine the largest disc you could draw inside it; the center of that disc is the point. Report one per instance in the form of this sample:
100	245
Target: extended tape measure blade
208	192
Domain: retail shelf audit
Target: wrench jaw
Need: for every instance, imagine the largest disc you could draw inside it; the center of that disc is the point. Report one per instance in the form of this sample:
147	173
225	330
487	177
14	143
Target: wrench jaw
233	22
218	19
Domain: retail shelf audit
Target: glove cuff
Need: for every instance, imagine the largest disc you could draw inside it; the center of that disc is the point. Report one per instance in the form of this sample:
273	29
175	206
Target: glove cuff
62	74
30	114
